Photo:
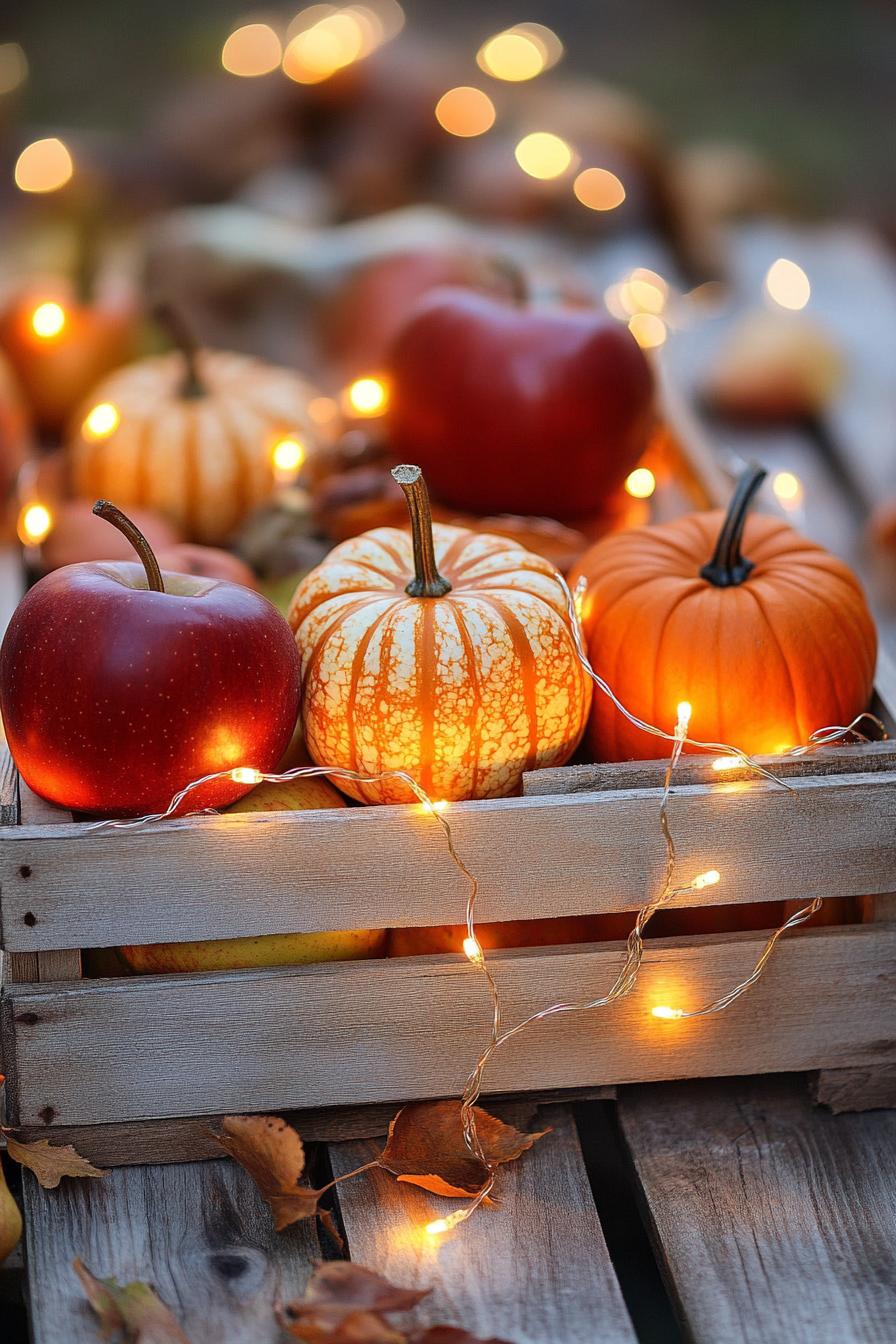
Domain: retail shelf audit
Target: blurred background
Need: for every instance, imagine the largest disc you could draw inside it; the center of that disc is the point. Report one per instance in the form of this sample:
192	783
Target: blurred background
808	82
716	177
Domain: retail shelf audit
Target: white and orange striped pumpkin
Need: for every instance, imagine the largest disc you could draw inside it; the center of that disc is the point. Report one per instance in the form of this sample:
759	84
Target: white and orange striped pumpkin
443	652
193	440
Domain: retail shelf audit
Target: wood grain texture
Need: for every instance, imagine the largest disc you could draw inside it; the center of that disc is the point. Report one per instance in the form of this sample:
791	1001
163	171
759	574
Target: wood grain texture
62	887
774	1222
199	1233
865	1089
346	1033
190	1140
535	1268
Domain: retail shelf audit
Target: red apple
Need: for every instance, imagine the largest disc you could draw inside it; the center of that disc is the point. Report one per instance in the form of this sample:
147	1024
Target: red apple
360	321
120	685
510	409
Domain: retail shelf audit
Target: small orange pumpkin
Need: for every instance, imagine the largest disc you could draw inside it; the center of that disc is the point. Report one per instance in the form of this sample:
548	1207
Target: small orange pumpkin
189	434
444	652
766	649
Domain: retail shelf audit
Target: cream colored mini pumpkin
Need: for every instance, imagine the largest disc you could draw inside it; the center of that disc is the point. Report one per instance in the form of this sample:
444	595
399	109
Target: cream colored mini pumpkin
446	653
191	435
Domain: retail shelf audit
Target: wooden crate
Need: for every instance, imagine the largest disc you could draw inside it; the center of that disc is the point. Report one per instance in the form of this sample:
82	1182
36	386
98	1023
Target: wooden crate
132	1068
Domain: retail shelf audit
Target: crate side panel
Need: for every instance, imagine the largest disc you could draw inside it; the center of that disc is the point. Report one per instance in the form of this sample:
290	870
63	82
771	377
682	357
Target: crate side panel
228	877
348	1033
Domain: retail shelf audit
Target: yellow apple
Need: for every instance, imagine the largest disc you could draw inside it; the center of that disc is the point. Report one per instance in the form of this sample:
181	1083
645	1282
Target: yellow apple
274	949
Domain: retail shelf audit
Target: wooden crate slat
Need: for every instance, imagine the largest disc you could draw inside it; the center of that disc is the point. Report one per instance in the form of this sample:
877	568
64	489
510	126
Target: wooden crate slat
535	1268
388	866
200	1233
698	769
189	1139
774	1221
343	1033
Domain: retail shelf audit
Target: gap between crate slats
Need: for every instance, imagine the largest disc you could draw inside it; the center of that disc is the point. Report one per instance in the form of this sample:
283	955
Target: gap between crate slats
103	1051
382	867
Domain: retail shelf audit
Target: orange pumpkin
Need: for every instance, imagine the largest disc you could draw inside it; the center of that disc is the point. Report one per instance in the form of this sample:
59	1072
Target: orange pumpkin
766	649
191	435
444	652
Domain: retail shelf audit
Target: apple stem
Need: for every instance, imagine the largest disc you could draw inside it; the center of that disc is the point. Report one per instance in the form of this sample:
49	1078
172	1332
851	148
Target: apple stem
427	581
112	514
184	338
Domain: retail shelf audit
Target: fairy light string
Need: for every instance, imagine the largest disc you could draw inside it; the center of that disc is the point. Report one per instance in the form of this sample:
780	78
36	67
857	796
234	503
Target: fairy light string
627	976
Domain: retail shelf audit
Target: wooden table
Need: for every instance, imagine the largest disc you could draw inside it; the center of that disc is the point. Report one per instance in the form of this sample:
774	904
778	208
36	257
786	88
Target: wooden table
769	1219
719	1211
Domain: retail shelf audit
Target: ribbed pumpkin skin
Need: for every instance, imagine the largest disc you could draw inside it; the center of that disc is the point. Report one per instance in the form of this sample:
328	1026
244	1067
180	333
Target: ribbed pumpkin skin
763	663
204	462
465	691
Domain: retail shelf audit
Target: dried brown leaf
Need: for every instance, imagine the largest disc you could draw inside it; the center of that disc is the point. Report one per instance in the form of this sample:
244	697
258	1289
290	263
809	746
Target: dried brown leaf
328	1222
426	1147
131	1308
50	1161
271	1152
345	1303
344	1284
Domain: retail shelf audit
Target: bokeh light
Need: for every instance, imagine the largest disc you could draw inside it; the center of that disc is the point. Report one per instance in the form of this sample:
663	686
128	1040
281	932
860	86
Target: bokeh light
101	421
512	55
367	396
648	330
44	165
254	49
327	45
787	284
543	155
465	111
787	489
640	483
35	524
287	456
599	189
48	320
13	66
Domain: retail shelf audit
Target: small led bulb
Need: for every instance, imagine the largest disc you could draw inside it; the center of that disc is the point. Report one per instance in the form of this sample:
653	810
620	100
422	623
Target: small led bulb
667	1014
436	1228
473	951
246	774
707	879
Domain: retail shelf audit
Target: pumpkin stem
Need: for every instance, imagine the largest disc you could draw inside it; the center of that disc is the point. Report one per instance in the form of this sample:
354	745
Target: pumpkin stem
728	568
184	338
427	581
103	509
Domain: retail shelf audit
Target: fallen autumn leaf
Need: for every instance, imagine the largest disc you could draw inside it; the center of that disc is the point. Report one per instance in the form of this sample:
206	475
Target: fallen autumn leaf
131	1308
426	1146
49	1161
271	1152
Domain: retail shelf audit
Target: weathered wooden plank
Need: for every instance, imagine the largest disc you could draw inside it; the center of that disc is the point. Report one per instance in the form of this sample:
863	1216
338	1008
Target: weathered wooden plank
190	1140
36	811
534	1268
698	769
199	1233
388	866
352	1032
774	1222
865	1089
